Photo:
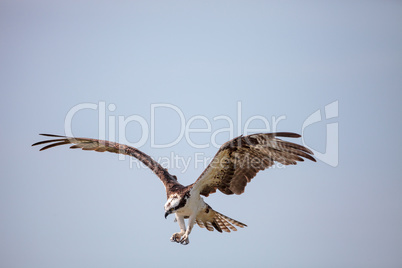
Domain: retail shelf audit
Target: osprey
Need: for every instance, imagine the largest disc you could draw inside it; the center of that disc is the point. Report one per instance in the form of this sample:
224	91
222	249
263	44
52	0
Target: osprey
234	165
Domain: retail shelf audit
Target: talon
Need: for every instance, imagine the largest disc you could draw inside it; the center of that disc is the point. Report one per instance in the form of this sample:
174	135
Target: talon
176	237
184	240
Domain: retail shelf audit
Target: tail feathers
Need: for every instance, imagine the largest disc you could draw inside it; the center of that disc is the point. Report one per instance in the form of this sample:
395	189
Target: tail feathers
210	219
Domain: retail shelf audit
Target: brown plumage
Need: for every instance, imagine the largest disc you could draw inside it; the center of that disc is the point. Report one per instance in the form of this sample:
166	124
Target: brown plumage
239	160
169	181
232	168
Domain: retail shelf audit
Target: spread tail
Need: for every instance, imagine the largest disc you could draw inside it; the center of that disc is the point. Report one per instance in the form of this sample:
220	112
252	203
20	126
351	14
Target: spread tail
210	219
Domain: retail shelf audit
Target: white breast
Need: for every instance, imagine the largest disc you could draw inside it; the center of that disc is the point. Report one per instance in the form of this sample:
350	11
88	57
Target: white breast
193	205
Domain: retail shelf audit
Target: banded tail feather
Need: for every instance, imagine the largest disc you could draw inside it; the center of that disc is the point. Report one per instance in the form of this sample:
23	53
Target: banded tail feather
211	219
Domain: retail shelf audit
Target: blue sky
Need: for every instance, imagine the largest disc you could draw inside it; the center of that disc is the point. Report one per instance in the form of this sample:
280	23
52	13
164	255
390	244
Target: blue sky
277	60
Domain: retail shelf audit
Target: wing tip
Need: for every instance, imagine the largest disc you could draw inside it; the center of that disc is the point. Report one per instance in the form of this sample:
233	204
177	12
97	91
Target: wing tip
54	142
312	158
286	134
51	135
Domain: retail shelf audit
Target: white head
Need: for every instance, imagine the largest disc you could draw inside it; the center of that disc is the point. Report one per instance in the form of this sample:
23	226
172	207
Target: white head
174	203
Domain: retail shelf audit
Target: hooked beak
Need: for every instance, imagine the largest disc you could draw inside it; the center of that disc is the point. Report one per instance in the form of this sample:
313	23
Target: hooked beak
167	213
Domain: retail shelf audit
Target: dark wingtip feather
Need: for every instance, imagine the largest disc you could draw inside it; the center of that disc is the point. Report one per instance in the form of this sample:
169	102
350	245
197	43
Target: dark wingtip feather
47	141
308	154
52	135
312	158
54	144
309	157
286	134
34	144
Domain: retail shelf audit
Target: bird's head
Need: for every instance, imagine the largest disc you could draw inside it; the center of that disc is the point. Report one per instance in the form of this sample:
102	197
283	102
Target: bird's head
174	203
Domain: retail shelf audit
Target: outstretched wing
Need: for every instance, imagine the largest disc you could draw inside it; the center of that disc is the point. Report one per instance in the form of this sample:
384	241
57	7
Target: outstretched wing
240	159
167	179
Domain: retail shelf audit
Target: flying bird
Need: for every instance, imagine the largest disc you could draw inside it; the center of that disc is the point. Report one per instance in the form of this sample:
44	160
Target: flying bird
234	165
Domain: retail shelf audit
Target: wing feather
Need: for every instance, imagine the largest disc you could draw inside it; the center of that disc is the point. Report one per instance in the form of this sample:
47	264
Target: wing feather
239	160
87	144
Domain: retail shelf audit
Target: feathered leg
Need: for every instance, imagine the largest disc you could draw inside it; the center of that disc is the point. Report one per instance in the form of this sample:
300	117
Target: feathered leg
176	237
191	221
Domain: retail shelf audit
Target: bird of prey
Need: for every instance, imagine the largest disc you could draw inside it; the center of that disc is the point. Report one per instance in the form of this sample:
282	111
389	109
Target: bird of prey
234	165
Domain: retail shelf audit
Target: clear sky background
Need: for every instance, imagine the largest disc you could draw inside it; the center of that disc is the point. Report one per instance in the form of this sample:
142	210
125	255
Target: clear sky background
64	208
